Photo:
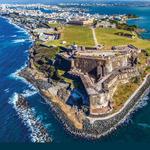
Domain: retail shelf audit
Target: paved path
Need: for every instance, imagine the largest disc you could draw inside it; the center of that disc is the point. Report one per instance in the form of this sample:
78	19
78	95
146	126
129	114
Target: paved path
94	37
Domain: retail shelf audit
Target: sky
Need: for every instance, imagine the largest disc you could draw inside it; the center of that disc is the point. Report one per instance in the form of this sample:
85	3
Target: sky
52	1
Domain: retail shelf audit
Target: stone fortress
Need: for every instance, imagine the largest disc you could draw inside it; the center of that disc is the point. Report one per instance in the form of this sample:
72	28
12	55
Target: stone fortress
101	72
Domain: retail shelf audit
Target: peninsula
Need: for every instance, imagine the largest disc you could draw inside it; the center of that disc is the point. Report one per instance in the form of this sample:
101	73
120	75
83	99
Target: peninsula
93	70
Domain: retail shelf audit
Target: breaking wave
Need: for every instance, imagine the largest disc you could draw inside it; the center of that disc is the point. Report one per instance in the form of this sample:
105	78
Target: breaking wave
144	125
19	41
15	74
142	103
21	31
26	93
6	90
14	36
27	115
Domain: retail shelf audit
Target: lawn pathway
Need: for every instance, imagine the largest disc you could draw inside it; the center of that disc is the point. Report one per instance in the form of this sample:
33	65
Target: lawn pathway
94	37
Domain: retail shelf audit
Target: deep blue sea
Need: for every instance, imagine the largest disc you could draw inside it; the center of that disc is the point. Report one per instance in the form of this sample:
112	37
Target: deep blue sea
14	45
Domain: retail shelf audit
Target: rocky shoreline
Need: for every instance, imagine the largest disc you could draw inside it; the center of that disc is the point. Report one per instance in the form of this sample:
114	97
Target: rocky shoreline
38	131
98	128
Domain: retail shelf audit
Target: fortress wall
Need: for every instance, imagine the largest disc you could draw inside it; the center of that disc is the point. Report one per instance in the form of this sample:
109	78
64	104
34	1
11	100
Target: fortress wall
86	65
102	126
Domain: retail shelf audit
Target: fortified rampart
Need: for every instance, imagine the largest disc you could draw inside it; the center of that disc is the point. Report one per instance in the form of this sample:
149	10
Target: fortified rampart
101	72
102	125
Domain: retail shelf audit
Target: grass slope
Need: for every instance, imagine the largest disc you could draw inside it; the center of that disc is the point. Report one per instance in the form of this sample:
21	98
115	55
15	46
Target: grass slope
108	38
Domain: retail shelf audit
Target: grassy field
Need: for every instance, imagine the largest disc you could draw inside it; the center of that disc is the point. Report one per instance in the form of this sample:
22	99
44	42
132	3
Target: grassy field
53	43
54	25
74	34
82	35
44	52
79	34
108	38
124	91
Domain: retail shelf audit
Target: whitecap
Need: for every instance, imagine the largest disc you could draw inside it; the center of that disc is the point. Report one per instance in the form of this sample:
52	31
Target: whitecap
144	125
14	36
26	51
16	26
28	93
40	117
17	77
143	102
22	31
13	99
6	90
15	74
48	125
28	118
19	40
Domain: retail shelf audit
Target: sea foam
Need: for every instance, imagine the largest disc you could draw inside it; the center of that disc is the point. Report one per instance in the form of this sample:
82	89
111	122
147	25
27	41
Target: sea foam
6	90
32	90
19	41
144	125
14	36
28	118
27	92
142	103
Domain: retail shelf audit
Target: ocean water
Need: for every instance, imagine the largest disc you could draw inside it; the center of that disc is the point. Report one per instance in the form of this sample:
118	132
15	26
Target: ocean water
142	12
14	45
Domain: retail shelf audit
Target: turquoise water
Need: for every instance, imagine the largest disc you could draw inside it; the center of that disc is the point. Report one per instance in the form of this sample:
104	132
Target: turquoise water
14	45
142	12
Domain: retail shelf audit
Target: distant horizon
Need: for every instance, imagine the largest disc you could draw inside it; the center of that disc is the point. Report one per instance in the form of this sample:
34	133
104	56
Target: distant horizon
63	1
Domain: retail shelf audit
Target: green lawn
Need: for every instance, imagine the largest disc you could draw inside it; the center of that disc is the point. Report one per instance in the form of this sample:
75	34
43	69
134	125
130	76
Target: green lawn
54	25
79	34
108	38
53	43
123	92
82	35
44	52
74	34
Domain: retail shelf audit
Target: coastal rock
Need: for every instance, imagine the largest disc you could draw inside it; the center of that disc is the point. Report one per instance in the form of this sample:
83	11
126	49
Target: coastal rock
39	132
98	128
63	94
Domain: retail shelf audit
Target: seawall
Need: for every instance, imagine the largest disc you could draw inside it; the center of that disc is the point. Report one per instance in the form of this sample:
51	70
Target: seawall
100	126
